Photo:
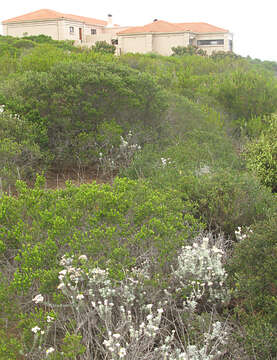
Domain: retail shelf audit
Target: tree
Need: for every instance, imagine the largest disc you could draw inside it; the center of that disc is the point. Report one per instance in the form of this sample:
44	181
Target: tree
188	50
262	156
104	47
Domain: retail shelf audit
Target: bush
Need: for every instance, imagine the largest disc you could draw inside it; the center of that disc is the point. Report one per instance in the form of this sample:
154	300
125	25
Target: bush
75	98
188	50
246	94
20	156
253	270
24	44
261	156
103	47
128	318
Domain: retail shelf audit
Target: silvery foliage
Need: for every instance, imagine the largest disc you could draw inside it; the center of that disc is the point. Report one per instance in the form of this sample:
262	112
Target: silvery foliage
119	156
130	320
200	266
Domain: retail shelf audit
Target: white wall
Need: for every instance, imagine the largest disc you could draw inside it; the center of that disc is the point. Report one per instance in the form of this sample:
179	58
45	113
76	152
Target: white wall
133	44
162	43
49	28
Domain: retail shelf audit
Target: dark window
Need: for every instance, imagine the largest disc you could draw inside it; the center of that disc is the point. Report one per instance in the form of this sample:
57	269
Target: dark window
210	42
114	42
93	31
71	29
231	45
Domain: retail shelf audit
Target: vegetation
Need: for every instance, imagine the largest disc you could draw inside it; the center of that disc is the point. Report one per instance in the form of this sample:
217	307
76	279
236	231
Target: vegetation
171	252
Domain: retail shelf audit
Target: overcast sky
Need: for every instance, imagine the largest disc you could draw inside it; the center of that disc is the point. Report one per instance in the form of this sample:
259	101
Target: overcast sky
253	23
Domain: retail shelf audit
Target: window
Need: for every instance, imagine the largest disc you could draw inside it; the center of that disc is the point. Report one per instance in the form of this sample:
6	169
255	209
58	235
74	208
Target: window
231	45
114	41
210	42
71	29
93	31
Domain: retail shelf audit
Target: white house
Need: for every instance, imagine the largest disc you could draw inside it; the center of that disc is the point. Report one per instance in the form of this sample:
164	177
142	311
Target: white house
159	36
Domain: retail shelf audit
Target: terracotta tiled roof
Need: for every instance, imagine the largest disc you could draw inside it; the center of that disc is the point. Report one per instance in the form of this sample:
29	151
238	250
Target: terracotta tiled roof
200	27
163	26
156	26
46	14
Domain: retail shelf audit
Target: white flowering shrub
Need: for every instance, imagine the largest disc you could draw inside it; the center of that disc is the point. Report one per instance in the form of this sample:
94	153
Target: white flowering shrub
129	319
116	157
200	268
242	234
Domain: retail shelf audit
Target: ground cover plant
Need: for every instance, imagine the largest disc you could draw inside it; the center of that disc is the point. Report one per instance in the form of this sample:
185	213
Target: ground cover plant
171	254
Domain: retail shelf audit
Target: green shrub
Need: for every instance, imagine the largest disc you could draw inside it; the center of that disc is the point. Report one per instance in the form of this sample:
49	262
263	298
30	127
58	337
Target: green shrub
24	44
114	224
103	47
75	98
227	199
261	156
188	50
253	268
20	156
246	94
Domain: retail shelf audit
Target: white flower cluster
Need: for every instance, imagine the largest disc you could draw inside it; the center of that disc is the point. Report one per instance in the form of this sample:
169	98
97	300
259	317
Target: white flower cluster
2	108
200	266
113	345
127	143
203	170
38	299
50	351
240	235
119	315
165	161
114	157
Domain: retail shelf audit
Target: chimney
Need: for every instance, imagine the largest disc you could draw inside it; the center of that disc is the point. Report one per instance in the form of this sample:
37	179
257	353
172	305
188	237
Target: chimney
110	20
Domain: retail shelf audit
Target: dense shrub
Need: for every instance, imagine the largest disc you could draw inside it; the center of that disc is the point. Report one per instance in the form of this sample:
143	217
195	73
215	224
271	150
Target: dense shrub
261	156
253	270
118	223
20	156
188	50
103	47
75	98
246	94
24	44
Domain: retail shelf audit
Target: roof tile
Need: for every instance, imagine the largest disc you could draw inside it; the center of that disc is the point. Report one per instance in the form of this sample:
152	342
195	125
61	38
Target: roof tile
167	27
44	14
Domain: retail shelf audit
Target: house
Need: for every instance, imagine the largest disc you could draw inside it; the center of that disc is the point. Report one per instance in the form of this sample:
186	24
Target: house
83	30
159	36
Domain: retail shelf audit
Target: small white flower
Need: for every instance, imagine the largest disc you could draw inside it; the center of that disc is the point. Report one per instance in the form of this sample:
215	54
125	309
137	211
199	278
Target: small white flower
62	285
117	336
49	318
38	299
160	311
83	258
80	297
35	329
122	352
49	351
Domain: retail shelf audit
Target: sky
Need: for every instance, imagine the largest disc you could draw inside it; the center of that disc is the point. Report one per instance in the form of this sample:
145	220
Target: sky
253	23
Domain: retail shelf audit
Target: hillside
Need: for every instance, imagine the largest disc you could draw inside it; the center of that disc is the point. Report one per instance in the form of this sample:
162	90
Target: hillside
171	252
